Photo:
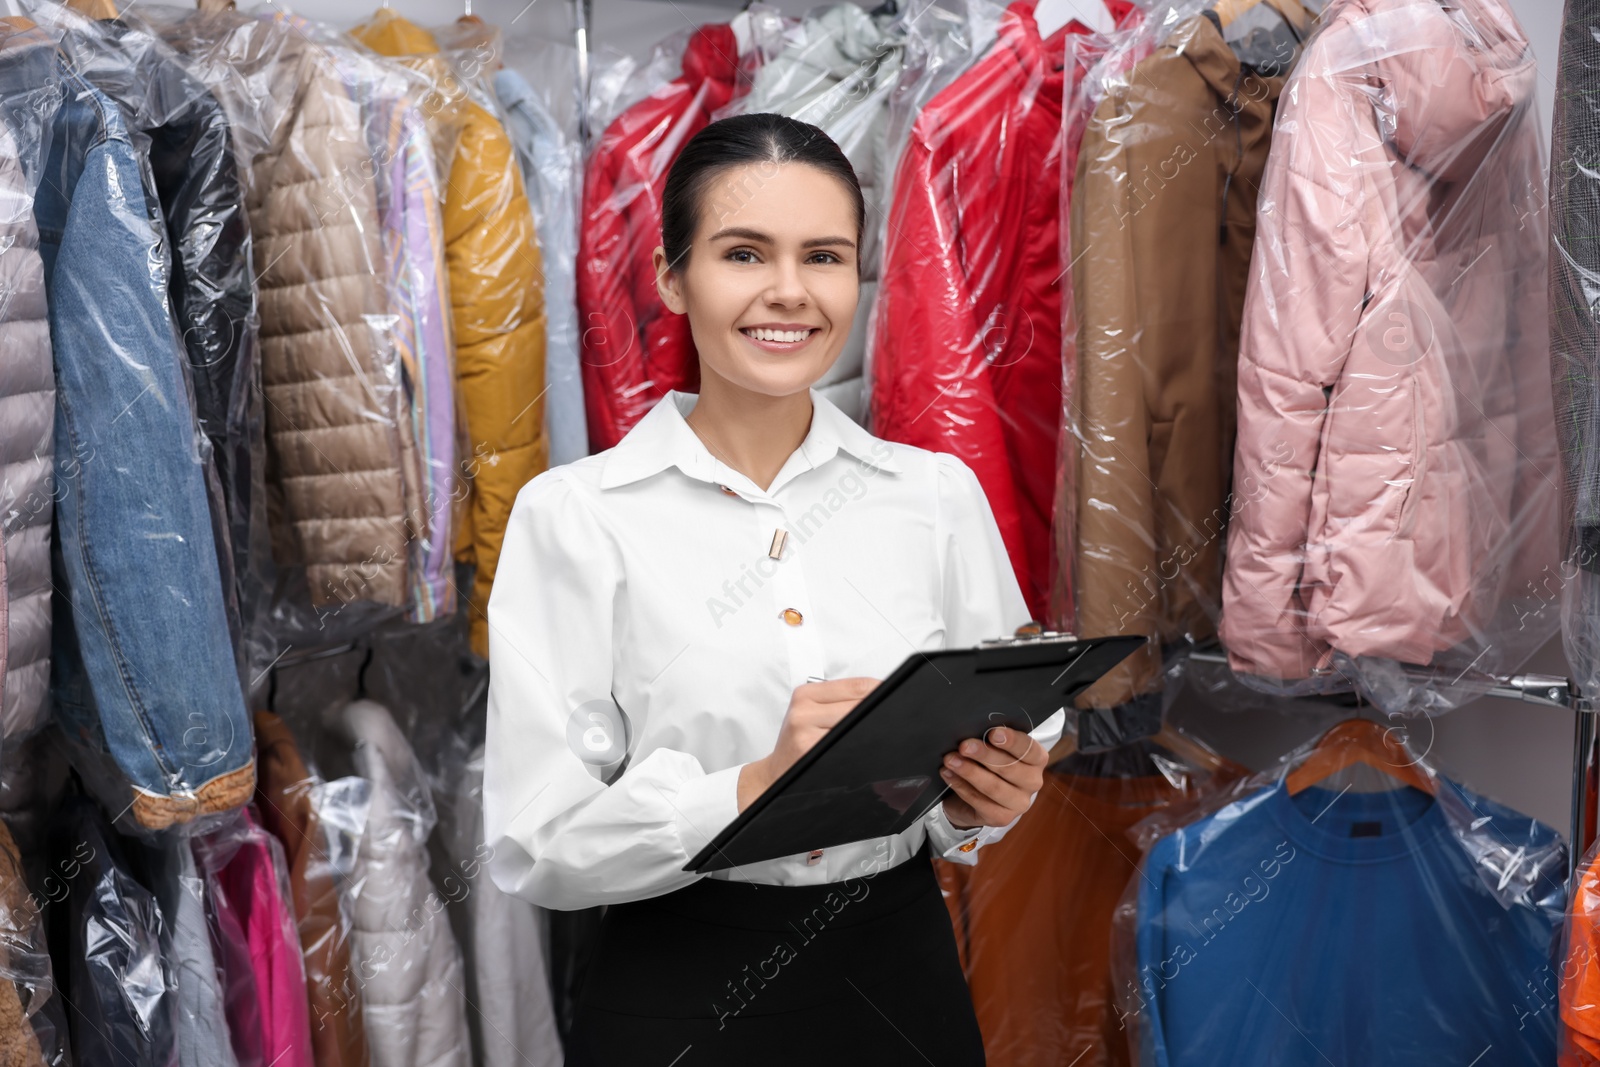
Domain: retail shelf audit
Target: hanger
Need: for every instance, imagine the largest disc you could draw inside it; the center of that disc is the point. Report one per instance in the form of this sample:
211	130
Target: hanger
1360	741
94	9
1187	748
1293	12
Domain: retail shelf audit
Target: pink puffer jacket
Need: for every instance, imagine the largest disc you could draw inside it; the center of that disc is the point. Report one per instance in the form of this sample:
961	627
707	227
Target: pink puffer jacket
1394	479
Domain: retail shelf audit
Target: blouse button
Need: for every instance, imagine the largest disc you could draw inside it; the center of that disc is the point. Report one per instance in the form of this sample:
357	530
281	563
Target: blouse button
791	616
969	846
725	489
814	858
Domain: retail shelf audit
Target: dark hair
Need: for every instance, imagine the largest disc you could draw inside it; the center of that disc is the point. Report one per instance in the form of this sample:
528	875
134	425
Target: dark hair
733	142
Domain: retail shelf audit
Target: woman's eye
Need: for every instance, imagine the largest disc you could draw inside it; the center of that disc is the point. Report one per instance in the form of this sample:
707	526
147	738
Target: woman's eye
827	257
742	255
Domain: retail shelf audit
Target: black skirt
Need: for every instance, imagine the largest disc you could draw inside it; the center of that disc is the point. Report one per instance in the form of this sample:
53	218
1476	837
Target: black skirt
862	971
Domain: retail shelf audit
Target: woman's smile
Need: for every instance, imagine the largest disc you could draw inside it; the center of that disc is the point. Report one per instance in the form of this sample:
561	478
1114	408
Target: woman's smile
780	337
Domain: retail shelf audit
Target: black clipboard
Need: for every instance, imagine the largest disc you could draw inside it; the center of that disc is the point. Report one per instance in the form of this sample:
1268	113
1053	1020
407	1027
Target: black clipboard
877	771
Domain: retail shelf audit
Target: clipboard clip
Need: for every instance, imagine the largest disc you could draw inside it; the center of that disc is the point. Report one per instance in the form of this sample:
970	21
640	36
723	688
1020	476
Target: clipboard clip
1029	633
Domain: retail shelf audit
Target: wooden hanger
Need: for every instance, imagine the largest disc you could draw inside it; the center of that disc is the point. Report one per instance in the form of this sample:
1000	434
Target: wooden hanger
1188	749
94	9
1293	11
1360	741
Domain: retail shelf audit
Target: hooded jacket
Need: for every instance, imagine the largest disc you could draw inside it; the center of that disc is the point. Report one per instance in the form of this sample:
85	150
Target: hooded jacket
27	422
837	72
405	950
1163	218
497	305
1396	453
634	349
966	354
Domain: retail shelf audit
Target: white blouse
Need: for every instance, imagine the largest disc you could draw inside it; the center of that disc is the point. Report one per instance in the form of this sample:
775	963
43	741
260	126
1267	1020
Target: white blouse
639	623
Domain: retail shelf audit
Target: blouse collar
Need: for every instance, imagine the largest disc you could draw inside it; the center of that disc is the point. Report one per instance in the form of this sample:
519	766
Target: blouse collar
663	438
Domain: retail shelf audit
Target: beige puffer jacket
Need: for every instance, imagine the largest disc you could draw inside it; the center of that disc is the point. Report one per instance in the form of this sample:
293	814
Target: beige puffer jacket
27	422
339	450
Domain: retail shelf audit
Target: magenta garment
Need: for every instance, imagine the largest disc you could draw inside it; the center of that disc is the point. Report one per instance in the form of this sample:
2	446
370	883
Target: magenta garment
253	926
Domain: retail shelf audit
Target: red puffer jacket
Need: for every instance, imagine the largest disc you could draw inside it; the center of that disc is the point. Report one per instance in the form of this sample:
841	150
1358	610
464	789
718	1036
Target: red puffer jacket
966	351
635	350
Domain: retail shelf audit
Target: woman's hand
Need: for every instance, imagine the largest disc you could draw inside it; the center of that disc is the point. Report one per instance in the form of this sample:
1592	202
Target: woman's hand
813	709
993	781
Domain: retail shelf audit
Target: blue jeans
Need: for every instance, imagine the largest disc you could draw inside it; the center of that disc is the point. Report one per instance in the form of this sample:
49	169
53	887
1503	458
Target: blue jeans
142	665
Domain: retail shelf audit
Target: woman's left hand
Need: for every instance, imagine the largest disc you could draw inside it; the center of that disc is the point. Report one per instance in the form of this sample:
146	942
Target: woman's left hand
993	780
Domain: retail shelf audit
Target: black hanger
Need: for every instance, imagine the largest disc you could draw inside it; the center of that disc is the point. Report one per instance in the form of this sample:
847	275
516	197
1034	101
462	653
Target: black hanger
885	10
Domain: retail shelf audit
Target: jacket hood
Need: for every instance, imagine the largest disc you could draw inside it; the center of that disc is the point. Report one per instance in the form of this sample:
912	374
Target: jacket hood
1446	80
712	55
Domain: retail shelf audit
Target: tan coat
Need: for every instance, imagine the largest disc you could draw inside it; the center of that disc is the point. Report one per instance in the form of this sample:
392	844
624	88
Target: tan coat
1163	219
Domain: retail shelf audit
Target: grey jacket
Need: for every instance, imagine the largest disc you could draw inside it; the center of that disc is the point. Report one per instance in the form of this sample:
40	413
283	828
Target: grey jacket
27	423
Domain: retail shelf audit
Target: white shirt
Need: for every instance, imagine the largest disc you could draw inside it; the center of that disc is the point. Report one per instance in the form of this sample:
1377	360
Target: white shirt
643	573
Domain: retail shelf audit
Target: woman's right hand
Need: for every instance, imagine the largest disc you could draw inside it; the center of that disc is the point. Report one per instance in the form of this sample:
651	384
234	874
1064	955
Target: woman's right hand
813	710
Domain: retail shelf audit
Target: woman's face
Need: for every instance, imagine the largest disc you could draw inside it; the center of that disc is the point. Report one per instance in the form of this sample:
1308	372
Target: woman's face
770	286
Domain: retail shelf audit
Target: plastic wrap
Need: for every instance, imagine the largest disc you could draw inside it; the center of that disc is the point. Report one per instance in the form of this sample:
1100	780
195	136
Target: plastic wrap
27	395
288	796
1033	919
536	96
186	145
1324	922
345	483
1394	483
1163	218
496	297
634	349
1575	336
104	930
406	955
247	900
966	350
29	1036
142	665
836	71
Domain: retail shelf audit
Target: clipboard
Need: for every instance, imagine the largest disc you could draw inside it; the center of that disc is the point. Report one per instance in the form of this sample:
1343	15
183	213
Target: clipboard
877	771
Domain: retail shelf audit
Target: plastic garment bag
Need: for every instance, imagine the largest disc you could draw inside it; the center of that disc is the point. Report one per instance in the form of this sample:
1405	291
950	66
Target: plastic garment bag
1575	337
496	297
1163	220
1033	917
288	796
405	952
187	144
105	940
836	72
142	668
1335	925
202	1023
1093	61
247	897
343	478
28	1037
1395	486
966	352
634	350
27	402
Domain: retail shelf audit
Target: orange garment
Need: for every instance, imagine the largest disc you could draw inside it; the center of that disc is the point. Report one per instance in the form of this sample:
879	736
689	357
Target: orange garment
1580	977
1033	921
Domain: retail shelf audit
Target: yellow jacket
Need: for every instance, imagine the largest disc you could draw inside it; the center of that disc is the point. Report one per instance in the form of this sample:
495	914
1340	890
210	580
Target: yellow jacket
497	305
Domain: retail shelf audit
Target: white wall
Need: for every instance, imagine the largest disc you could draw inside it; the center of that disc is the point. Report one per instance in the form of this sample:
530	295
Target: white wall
1519	754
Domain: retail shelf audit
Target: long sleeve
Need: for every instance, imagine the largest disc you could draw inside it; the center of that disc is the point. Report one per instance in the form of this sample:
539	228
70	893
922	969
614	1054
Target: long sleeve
560	836
1296	336
981	601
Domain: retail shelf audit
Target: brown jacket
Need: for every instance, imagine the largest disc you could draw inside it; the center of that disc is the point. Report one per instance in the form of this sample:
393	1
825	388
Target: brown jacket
1163	219
339	438
283	794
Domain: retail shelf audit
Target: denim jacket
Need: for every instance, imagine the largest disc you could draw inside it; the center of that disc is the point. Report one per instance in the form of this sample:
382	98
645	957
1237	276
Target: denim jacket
141	661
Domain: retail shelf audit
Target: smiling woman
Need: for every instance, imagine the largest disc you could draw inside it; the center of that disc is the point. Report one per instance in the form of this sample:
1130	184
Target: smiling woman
717	502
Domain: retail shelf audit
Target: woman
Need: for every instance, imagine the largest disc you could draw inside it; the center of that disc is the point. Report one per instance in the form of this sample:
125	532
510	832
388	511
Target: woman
658	612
